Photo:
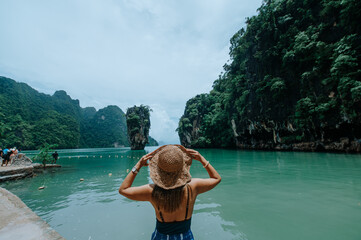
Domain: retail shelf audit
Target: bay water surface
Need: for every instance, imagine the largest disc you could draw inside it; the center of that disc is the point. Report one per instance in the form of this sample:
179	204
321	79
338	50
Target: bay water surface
262	196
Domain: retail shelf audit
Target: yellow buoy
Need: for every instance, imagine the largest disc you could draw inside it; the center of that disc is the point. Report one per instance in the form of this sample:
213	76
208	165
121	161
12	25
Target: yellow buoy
110	174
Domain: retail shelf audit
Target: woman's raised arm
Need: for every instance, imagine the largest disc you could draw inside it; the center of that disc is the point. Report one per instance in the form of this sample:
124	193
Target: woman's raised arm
141	193
204	185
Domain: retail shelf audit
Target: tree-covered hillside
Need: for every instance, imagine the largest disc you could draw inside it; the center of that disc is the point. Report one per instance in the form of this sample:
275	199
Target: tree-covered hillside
105	128
29	119
293	82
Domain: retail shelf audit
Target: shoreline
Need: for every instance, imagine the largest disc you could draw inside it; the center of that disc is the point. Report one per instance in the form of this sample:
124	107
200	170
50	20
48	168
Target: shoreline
345	147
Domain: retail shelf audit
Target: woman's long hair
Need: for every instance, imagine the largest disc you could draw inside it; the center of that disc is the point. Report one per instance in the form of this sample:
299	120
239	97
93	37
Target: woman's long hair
169	200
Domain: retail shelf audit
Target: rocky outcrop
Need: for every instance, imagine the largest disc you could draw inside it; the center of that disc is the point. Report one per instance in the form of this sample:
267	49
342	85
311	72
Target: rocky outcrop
138	124
20	160
281	88
188	137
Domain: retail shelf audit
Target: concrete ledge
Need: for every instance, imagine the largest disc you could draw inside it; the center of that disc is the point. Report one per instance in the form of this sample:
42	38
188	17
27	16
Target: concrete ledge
17	221
38	165
8	170
17	172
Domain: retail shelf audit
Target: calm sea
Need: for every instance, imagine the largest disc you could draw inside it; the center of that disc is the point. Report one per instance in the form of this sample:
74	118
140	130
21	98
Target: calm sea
262	196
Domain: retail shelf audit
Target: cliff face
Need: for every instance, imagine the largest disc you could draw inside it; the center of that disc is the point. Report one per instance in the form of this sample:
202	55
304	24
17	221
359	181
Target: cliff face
270	135
292	83
204	124
283	136
138	124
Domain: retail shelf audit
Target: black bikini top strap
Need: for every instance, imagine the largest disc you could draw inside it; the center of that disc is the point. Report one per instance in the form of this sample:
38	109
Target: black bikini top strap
160	214
189	192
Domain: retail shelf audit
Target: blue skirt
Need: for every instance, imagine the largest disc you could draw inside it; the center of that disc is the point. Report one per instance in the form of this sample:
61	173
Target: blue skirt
181	236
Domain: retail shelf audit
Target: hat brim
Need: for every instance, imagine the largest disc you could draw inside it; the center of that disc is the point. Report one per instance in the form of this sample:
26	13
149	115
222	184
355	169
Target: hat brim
170	180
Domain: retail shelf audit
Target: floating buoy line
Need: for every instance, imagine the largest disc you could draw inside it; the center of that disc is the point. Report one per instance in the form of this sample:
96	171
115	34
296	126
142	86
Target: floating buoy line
100	156
94	156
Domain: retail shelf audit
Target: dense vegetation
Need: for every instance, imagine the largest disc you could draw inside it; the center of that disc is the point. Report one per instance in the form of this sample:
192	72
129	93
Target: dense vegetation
104	128
44	155
30	120
293	76
138	124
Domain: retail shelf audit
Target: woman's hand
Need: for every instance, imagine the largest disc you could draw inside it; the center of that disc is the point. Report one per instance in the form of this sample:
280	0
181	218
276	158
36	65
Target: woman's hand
193	153
144	160
202	185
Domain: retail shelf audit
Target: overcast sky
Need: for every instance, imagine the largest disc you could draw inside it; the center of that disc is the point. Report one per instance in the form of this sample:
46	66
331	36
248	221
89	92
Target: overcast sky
158	53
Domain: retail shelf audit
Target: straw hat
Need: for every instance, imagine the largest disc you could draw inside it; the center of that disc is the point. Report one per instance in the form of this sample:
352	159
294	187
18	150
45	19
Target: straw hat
169	168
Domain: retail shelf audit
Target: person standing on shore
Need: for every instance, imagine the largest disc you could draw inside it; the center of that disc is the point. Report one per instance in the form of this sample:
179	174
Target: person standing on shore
7	154
5	151
174	191
55	156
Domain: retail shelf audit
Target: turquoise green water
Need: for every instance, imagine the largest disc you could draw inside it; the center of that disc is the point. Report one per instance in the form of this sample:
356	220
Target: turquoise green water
262	196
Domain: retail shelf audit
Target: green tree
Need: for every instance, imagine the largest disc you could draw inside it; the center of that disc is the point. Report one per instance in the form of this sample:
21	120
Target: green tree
43	156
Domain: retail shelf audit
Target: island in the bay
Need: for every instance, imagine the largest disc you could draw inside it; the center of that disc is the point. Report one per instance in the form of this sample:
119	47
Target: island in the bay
293	82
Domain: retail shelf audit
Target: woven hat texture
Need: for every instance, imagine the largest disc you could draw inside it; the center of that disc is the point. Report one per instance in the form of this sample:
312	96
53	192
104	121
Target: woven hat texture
169	168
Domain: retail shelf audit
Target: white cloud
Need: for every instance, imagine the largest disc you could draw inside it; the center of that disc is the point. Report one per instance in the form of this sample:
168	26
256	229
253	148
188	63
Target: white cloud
162	126
158	53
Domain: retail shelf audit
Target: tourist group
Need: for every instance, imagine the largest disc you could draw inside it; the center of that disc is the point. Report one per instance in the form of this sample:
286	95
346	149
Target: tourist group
6	155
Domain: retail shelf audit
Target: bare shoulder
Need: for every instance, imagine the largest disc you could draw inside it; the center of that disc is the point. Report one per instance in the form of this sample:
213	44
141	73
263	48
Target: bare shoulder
147	188
194	182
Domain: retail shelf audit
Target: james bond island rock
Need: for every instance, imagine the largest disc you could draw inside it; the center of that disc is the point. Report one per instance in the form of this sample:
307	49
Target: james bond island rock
293	82
138	124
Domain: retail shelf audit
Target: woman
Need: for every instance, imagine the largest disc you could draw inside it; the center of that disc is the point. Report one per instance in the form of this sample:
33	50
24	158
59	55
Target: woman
174	191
